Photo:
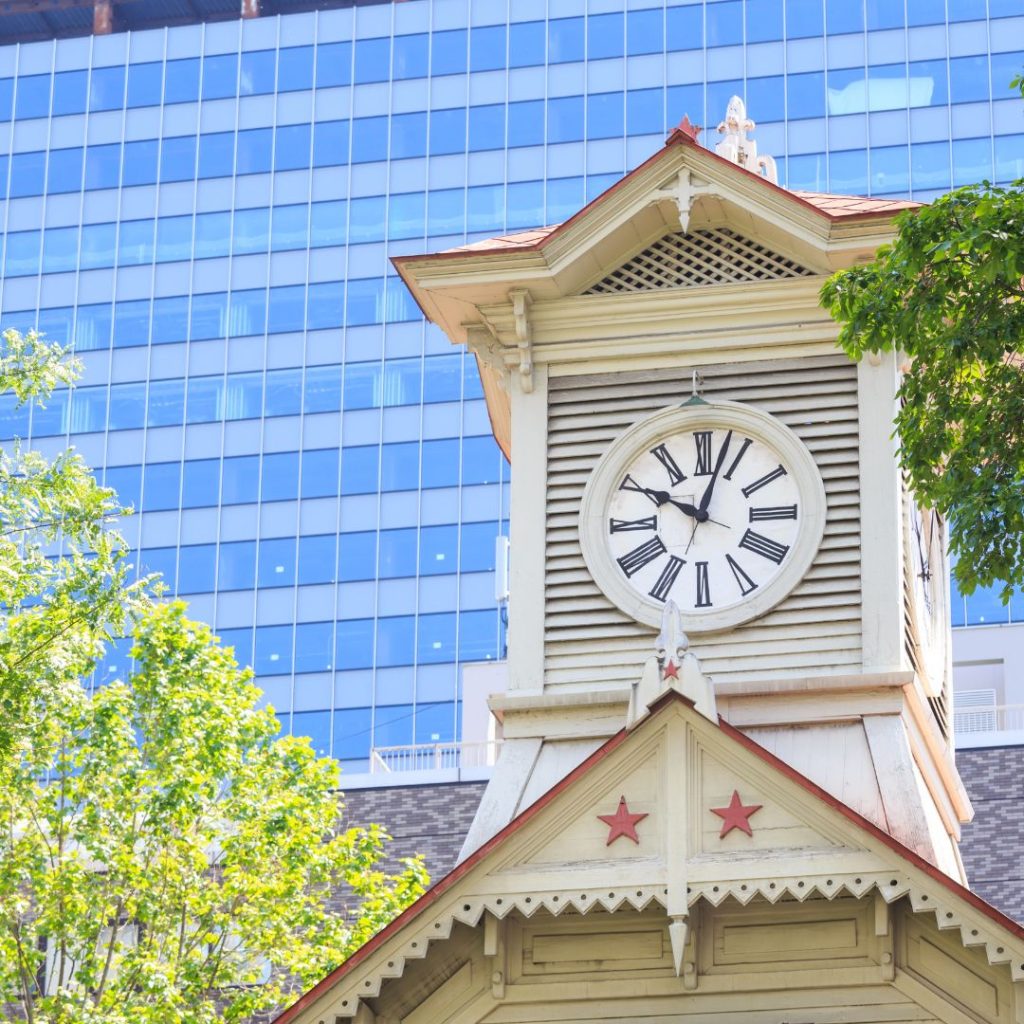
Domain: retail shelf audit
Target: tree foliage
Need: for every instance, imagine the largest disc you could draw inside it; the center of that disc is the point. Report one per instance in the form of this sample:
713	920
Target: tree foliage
165	856
948	293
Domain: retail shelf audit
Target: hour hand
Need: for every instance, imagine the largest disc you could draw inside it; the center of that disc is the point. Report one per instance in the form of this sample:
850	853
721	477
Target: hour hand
658	497
686	508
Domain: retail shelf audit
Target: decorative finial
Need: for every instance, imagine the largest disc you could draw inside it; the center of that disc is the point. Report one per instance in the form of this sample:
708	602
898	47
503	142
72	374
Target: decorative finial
687	127
738	148
672	642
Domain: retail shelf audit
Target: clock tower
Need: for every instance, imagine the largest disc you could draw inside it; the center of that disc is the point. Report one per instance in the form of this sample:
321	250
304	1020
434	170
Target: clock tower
727	788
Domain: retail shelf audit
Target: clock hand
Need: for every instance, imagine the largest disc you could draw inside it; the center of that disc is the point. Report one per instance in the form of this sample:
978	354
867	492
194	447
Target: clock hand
706	499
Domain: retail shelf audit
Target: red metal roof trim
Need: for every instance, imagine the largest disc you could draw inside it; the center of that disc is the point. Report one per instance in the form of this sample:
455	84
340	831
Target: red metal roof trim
436	891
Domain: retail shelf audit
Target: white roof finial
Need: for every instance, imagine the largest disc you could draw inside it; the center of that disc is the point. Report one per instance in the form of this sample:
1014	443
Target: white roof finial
738	148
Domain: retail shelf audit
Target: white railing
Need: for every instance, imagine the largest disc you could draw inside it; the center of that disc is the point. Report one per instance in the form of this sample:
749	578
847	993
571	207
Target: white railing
427	757
994	718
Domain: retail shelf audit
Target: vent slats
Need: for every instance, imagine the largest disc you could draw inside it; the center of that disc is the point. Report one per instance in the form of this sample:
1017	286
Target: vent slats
818	625
705	257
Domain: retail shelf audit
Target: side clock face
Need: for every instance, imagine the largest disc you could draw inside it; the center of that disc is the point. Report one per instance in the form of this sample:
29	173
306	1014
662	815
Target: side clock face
925	562
717	507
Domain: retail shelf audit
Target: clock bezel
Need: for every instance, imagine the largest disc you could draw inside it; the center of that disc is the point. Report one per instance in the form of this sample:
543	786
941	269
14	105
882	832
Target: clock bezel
660	426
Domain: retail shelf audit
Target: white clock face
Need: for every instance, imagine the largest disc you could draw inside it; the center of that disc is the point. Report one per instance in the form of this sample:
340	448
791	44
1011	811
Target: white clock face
715	506
704	518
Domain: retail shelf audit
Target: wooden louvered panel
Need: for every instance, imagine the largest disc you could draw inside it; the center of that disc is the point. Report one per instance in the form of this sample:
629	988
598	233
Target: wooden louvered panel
817	627
705	257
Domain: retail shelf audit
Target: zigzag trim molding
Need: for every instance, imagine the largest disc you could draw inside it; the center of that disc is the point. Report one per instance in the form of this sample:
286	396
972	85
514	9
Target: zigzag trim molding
974	929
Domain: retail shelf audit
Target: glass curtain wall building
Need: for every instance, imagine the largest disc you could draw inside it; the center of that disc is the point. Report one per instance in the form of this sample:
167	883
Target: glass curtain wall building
206	212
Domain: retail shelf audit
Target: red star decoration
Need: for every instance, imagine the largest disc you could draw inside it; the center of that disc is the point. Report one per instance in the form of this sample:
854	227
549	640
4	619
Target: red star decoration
671	670
689	128
622	823
736	815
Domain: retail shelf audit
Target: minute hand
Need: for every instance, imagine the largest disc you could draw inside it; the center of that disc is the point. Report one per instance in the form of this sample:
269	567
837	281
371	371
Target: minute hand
706	498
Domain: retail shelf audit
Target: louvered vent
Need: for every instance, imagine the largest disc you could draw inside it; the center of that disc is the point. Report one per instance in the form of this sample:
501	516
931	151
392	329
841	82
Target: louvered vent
588	640
701	257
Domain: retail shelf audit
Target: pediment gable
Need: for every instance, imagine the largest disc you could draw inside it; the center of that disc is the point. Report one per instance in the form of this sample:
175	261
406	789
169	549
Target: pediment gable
679	776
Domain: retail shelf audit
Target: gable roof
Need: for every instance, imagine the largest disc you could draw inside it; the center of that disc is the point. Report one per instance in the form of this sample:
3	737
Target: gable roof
496	847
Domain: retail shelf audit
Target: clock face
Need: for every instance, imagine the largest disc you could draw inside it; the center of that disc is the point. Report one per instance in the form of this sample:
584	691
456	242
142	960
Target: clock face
717	507
704	518
925	563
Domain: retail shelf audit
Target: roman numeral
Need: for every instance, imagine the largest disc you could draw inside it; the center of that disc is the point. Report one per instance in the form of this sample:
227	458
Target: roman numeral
661	589
703	586
702	439
739	456
636	559
745	583
764	546
624	525
675	474
764	481
759	515
629	484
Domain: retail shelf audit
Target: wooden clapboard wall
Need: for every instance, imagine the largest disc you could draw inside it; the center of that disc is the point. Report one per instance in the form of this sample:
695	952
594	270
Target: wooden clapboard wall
815	629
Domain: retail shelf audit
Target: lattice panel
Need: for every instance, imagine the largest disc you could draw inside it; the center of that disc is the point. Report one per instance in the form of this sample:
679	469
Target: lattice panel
703	257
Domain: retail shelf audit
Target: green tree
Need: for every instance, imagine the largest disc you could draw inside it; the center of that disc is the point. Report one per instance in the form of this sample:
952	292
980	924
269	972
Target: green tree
948	293
55	612
165	856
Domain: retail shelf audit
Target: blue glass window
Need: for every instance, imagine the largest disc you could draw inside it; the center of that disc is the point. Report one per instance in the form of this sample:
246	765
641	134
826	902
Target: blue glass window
135	243
126	481
33	96
605	115
6	98
724	23
197	566
287	310
216	155
564	198
333	65
806	95
220	76
925	12
290	228
487	48
525	204
60	250
327	223
848	172
807	172
201	483
889	170
295	69
166	406
1005	67
396	643
28	174
436	642
254	149
213	235
605	36
477	546
237	565
645	112
972	161
400	466
364	302
330	143
280	479
181	80
247	313
209	316
256	76
161	483
369	139
277	563
985	608
366	219
566	40
69	92
21	255
177	158
442	378
292	147
205	399
357	556
131	323
448	52
930	166
174	238
57	324
52	418
1009	157
314	647
102	166
88	410
322	389
565	119
243	396
435	723
250	231
373	60
439	546
354	641
478	636
13	418
283	392
325	305
481	460
448	131
487	127
397	553
128	412
842	16
360	470
883	14
527	44
446	212
317	559
170	319
410	56
684	27
352	737
526	123
163	562
140	162
392	725
645	32
771	97
145	84
240	640
804	19
409	135
320	472
106	90
240	480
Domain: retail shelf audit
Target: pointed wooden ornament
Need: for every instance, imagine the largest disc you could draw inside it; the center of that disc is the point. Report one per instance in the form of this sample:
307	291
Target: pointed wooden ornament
679	934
